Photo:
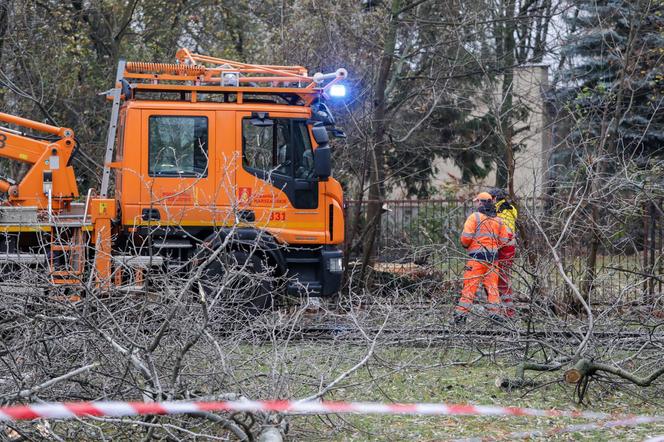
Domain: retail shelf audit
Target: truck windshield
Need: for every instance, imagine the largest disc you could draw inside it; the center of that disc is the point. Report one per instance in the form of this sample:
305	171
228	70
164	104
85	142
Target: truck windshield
283	148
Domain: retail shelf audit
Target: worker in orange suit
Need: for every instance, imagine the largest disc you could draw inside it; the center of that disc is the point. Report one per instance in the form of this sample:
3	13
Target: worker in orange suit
483	235
508	213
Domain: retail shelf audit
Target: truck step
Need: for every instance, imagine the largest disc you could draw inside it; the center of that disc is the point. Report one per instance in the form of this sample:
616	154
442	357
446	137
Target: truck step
304	287
23	258
19	289
139	261
74	273
312	260
66	281
172	244
66	248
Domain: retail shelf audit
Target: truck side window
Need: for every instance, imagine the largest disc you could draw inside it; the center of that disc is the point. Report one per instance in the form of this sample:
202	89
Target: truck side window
257	146
304	154
178	146
283	148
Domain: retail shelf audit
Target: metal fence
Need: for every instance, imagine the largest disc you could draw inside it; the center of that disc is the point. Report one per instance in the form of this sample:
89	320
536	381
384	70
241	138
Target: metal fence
423	234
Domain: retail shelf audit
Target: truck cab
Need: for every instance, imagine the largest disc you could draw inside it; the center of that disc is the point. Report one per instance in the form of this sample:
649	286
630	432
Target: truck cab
196	158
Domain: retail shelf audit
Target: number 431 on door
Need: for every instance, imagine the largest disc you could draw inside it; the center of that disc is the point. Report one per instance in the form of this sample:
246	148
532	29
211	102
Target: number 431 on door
277	216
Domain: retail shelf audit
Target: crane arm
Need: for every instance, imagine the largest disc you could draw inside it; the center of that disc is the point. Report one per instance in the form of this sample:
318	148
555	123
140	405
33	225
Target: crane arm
17	146
48	159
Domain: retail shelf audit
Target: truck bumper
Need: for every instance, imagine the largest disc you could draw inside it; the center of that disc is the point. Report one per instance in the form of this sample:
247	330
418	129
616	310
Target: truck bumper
315	272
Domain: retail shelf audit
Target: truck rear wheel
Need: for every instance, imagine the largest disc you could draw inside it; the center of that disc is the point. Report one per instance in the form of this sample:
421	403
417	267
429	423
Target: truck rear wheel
239	283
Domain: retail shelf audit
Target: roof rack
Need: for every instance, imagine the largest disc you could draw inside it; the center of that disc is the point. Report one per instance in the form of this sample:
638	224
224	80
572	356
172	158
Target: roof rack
201	73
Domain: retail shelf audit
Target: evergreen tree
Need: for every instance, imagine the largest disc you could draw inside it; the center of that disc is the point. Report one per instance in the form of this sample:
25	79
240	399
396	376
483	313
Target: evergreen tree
615	83
611	117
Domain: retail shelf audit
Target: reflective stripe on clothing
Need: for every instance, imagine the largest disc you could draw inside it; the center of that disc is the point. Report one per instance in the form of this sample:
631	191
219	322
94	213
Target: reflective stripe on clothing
479	272
483	233
486	235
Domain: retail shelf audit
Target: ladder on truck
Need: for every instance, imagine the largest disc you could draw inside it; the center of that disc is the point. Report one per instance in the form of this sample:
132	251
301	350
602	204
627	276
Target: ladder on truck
66	255
67	247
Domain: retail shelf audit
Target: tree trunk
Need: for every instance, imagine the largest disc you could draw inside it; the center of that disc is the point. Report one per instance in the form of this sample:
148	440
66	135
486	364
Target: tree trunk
591	259
376	154
505	53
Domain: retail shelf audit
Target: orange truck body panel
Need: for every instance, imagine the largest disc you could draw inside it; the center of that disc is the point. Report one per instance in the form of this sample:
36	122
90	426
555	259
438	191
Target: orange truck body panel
102	212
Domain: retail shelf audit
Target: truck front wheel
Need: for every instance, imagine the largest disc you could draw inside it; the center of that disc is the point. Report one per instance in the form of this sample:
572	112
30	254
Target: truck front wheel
239	283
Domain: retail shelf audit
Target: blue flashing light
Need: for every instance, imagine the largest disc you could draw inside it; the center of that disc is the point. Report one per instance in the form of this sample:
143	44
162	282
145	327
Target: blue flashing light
337	90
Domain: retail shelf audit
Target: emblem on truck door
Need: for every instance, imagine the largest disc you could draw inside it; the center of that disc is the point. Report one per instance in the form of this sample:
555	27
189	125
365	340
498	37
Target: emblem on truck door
244	194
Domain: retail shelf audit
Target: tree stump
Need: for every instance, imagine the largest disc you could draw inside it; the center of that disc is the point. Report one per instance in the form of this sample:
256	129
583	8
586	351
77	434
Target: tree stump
583	367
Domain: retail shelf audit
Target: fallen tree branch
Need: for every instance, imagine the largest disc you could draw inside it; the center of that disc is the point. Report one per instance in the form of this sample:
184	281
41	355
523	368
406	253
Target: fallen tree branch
225	423
353	369
30	391
585	367
520	380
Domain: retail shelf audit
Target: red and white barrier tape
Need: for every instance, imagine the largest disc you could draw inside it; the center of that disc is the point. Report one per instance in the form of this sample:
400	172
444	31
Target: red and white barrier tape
68	410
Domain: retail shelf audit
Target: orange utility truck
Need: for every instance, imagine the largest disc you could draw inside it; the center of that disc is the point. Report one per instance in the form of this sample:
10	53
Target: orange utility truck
204	153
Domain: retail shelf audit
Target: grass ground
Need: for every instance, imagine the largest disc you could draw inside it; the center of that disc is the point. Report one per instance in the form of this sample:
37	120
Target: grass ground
426	375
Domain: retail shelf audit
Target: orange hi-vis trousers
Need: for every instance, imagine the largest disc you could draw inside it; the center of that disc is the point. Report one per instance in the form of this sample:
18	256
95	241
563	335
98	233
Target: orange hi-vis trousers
479	272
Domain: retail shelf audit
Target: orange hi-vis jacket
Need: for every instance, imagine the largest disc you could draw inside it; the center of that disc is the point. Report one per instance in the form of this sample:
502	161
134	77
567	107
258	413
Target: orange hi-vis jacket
483	235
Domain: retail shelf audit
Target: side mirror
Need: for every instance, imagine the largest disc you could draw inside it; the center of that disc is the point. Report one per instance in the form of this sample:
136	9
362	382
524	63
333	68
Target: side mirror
323	162
322	154
320	135
321	113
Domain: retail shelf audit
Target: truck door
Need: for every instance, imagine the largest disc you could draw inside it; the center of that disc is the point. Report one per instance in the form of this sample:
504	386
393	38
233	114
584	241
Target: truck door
178	167
277	176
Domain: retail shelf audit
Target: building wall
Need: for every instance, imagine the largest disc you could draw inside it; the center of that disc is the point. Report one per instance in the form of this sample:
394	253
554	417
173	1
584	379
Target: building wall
534	134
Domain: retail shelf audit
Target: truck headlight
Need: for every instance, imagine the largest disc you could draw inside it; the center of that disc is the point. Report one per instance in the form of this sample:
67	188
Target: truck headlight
336	265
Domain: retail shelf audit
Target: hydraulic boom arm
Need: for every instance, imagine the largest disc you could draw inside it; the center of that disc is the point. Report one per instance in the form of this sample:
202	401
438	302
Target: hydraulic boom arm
48	158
